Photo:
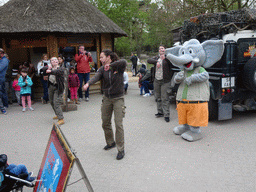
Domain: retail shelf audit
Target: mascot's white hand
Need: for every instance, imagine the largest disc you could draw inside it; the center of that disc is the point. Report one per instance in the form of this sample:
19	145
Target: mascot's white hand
188	81
180	76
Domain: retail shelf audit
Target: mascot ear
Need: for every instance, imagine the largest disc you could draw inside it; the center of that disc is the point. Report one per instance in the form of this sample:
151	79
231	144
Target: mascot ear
213	50
173	50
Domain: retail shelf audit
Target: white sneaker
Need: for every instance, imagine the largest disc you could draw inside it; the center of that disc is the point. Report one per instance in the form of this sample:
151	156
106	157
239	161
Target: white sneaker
68	100
24	109
80	99
31	109
86	98
147	95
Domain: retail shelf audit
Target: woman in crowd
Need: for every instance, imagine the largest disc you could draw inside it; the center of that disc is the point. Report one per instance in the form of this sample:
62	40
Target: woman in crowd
113	99
61	61
66	73
43	77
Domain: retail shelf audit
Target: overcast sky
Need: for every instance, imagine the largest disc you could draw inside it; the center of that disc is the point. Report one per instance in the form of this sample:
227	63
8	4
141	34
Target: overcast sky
3	2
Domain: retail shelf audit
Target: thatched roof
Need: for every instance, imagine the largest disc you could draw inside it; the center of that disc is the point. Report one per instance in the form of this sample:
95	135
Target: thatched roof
71	16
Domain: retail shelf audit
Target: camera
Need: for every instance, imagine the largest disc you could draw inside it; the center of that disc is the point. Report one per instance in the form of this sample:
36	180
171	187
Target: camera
80	53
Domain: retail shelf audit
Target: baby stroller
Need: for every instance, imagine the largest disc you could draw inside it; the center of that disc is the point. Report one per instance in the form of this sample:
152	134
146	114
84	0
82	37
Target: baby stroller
11	182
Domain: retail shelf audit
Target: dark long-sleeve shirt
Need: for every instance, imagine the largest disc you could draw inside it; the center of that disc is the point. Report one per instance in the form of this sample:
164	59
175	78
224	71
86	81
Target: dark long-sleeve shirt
113	81
59	73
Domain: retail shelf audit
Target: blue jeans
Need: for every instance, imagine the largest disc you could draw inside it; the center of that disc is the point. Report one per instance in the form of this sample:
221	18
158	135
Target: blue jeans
45	87
83	77
141	90
147	86
4	95
1	95
1	104
17	169
125	87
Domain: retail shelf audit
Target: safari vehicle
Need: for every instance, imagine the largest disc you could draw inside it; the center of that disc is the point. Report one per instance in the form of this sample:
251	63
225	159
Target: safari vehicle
233	78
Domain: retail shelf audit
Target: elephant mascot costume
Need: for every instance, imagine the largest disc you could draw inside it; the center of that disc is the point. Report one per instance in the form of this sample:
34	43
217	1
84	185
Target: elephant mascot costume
193	93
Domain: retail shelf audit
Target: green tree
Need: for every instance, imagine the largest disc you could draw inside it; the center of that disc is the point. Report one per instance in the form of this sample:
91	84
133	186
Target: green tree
166	15
163	16
127	15
150	24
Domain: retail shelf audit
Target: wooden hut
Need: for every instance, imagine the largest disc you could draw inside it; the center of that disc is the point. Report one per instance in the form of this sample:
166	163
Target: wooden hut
31	28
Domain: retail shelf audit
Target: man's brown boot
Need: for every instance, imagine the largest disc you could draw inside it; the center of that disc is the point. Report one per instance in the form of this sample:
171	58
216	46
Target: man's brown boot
61	122
77	102
55	117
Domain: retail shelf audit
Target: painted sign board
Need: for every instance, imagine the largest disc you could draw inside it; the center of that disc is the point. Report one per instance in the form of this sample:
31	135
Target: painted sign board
56	165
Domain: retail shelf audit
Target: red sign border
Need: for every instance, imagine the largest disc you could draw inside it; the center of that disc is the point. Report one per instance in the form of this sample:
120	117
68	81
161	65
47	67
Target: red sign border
64	152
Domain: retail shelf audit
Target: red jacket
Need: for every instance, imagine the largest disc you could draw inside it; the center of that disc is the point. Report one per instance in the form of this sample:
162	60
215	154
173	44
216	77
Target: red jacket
83	63
73	80
15	85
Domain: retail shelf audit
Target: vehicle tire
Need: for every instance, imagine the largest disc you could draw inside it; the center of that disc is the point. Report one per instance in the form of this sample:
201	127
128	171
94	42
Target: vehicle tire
213	109
249	74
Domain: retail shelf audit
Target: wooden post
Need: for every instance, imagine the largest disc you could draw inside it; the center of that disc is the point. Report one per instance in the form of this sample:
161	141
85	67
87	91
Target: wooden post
4	45
98	51
106	41
52	46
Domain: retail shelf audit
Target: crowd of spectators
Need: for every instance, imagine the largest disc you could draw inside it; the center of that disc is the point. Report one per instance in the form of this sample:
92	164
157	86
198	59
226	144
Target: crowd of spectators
54	72
19	85
152	81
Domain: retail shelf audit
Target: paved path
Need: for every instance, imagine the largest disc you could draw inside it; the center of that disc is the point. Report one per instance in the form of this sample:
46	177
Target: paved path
155	160
131	78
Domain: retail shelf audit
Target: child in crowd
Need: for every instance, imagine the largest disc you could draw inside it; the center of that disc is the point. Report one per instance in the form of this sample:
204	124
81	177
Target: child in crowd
126	80
16	88
25	84
73	84
140	84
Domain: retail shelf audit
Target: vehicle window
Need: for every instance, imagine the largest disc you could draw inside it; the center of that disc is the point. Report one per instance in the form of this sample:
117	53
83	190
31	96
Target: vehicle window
230	54
232	51
247	49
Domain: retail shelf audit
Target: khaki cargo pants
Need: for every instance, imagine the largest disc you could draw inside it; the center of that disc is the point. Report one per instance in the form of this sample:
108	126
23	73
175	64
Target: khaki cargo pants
108	106
55	100
162	98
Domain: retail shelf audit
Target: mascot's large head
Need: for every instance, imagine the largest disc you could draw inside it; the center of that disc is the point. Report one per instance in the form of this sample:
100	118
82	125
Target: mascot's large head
193	54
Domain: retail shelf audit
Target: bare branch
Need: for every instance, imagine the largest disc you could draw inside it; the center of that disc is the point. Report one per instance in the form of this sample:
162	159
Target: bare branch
224	6
246	3
232	2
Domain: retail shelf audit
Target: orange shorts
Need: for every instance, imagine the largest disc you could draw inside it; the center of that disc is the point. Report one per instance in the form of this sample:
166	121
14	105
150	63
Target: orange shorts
195	114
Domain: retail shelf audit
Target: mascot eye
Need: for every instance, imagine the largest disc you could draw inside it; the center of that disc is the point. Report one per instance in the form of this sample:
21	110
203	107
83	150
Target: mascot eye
183	52
190	51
